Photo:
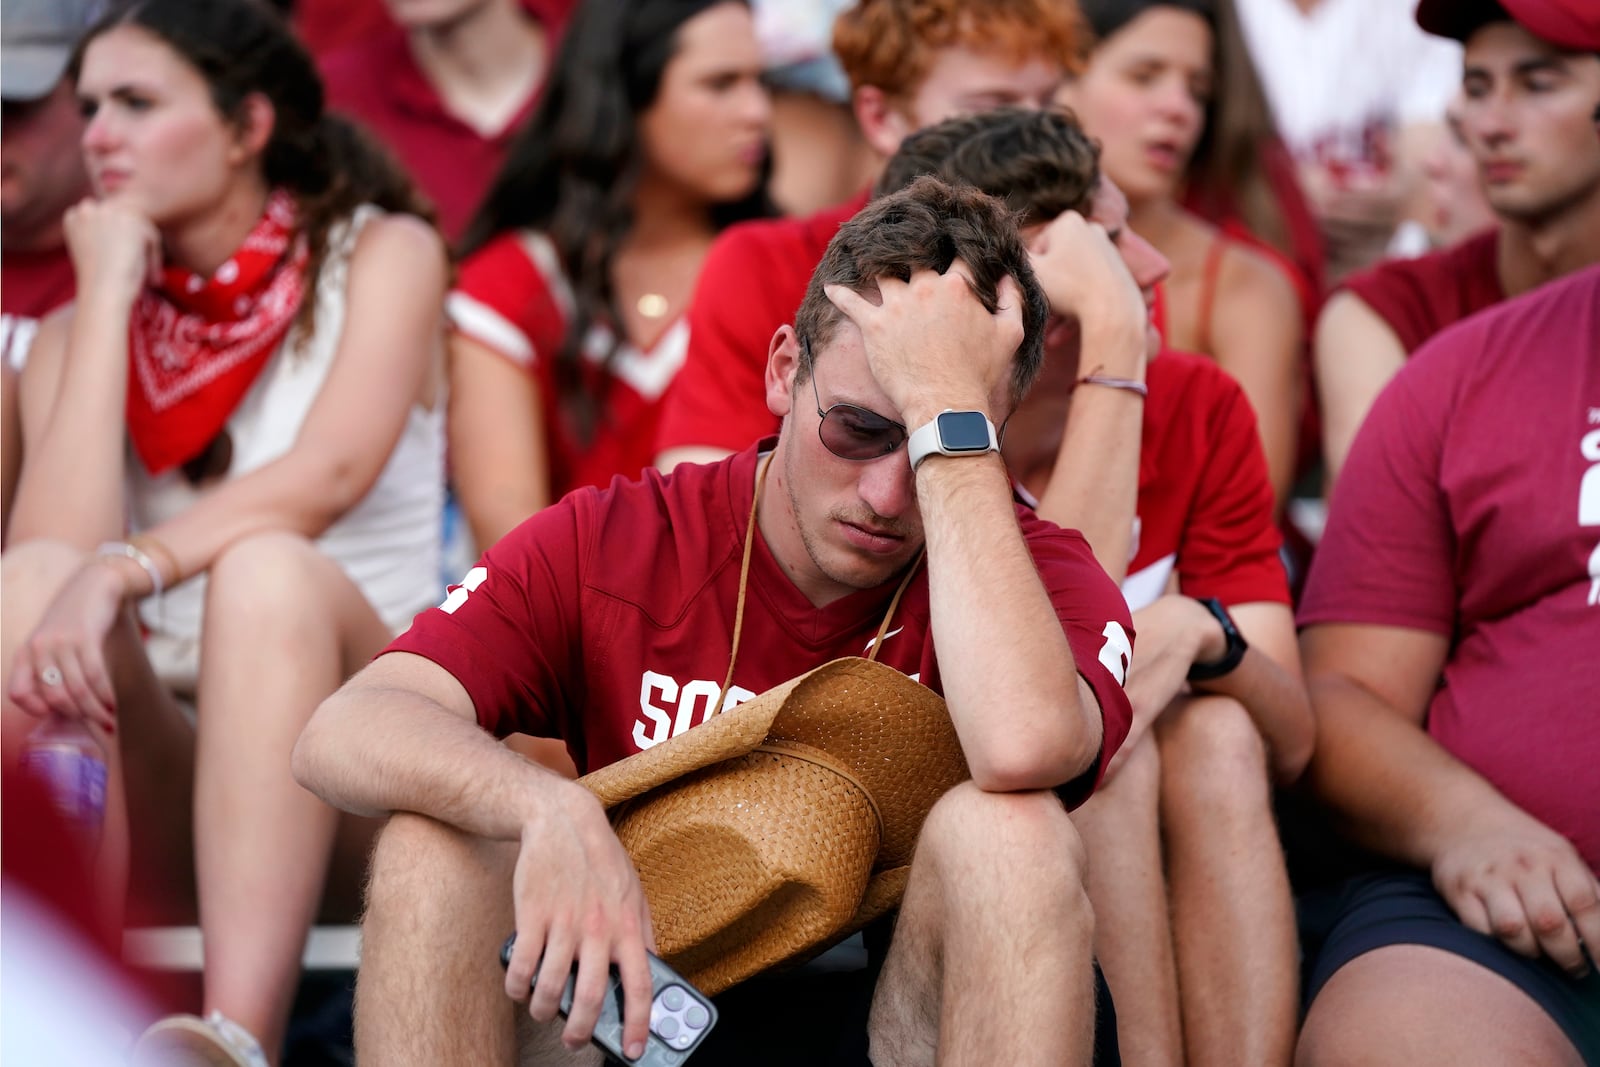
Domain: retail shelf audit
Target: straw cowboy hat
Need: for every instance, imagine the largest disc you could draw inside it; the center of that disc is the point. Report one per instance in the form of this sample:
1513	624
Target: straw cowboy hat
783	825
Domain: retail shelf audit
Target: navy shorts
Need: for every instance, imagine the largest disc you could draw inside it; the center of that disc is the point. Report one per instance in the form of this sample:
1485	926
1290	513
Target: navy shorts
1372	911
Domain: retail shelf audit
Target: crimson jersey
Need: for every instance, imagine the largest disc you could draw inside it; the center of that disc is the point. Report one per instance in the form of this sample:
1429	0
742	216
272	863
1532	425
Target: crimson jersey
32	284
1419	297
1204	509
1470	508
513	298
1205	500
751	283
607	619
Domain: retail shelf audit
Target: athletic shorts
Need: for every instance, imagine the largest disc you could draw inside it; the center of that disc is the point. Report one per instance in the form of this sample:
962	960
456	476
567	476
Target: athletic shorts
1371	911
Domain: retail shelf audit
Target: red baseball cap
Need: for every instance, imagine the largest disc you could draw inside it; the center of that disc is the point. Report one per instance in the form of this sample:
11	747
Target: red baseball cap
1570	24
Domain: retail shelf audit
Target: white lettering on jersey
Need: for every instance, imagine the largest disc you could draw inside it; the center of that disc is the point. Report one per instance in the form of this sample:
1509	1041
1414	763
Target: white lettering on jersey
459	593
1589	505
658	714
668	709
1117	652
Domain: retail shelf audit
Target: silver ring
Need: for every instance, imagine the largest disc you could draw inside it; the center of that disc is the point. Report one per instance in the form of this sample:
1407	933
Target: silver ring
51	675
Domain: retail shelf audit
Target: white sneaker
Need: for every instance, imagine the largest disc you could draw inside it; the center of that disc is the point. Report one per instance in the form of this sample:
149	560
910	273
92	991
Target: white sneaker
190	1041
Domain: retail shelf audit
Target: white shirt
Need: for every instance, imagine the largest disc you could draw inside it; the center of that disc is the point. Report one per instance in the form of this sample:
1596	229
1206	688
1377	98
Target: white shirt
1342	79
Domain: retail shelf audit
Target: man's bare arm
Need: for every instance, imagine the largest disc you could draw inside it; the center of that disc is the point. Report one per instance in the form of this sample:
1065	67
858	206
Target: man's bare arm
1006	665
1008	671
402	736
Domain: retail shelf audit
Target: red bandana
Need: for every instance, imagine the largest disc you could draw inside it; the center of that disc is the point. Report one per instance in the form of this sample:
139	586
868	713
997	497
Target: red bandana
196	345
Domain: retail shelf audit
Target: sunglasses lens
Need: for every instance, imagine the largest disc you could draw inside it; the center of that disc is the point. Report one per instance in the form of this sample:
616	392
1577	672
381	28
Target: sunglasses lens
850	432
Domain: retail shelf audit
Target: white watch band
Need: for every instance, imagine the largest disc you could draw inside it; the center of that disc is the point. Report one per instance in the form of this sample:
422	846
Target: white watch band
928	439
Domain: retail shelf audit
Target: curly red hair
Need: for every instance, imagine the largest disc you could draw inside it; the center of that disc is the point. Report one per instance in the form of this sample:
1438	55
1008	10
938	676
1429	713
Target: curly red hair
890	43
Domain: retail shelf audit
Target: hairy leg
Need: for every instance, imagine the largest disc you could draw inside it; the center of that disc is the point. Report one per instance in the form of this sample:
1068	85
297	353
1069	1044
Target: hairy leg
1232	913
992	955
1414	1004
149	762
283	627
1133	930
430	990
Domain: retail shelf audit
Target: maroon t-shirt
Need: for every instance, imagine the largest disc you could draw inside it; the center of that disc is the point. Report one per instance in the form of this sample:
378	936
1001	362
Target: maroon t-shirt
607	619
1419	297
1470	508
32	284
752	282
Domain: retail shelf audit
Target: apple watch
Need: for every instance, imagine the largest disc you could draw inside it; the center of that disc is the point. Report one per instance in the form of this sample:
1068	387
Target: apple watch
1204	672
952	433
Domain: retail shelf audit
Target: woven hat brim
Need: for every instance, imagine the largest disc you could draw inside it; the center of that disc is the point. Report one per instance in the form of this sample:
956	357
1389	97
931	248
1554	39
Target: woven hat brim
724	736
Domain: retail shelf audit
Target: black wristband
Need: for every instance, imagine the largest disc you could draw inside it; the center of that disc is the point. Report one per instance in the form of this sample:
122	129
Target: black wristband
1205	672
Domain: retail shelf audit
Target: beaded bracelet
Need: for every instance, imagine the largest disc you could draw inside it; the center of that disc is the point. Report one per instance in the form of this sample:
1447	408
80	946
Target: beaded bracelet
1132	385
133	552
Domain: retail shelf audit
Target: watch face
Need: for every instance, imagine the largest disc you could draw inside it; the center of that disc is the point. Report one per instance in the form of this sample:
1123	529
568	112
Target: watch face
964	431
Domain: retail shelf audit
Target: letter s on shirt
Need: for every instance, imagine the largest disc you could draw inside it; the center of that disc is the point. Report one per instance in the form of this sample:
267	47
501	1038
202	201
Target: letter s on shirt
658	714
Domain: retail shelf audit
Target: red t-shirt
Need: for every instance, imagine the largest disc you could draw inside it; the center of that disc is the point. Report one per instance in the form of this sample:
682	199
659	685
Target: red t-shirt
32	284
1204	509
1419	297
377	82
513	297
1470	508
752	282
1205	500
607	619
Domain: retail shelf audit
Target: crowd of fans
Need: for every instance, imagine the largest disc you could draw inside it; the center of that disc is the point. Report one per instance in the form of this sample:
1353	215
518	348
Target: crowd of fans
301	304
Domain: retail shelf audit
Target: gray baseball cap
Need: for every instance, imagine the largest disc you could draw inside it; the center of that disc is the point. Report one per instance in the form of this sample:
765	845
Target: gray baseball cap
36	40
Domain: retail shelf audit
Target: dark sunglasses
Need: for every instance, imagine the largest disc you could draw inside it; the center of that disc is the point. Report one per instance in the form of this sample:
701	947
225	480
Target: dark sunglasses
853	432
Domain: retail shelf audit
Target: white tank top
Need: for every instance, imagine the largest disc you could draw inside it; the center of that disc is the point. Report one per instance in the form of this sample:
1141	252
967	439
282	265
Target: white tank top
389	543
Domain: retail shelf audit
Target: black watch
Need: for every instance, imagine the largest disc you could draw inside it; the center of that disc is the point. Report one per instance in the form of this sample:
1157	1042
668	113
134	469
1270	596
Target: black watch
1205	672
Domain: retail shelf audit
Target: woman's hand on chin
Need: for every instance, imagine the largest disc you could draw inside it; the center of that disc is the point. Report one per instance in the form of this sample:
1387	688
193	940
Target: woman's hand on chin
116	250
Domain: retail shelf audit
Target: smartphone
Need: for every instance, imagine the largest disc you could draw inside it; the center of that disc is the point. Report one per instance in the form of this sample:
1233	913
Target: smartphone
680	1015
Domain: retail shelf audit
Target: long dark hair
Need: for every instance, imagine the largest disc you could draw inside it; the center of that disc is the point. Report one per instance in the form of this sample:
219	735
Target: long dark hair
241	47
572	170
1226	170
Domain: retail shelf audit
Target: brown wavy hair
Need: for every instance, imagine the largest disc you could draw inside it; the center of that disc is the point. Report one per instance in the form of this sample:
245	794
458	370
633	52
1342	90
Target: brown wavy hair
1040	163
242	47
926	226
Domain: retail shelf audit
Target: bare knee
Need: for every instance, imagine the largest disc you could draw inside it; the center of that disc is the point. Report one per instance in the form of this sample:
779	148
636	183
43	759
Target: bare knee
269	575
421	865
1007	834
1212	751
